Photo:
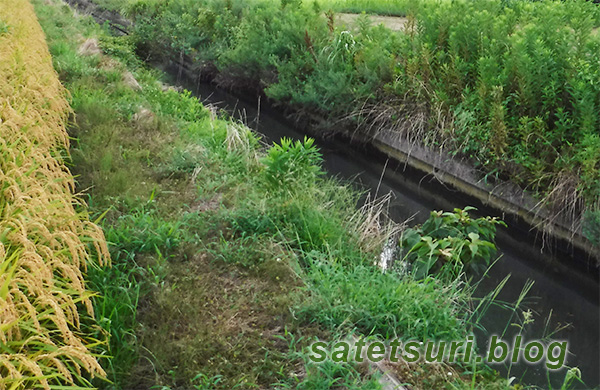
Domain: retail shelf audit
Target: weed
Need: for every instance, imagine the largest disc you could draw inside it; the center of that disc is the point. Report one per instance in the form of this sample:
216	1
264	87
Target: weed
592	227
324	375
449	243
503	88
292	166
3	28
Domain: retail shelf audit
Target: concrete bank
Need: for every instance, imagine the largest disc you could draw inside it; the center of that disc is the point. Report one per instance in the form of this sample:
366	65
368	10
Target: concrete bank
503	196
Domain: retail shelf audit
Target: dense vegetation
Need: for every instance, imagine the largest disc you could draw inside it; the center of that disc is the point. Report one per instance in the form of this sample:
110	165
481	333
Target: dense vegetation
229	258
513	86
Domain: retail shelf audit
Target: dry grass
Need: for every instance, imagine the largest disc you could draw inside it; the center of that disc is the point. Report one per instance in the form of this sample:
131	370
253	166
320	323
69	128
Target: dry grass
238	139
377	231
45	243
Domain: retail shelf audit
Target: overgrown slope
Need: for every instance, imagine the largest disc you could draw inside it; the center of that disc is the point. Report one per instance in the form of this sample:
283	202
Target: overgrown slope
511	86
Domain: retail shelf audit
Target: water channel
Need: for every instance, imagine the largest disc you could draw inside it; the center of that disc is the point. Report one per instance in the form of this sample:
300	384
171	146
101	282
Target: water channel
565	294
562	297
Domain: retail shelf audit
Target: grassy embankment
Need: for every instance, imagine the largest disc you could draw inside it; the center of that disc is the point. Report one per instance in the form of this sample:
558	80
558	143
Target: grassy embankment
229	258
46	238
513	87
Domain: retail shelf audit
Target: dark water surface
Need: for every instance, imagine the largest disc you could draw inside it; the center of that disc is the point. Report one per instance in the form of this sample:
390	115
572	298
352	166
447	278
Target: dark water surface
570	299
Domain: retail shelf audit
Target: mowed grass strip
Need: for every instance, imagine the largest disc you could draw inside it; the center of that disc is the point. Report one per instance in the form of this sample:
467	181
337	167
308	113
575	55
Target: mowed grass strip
45	243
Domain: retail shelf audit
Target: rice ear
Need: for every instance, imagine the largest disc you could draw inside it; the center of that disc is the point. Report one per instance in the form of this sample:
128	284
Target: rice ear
45	244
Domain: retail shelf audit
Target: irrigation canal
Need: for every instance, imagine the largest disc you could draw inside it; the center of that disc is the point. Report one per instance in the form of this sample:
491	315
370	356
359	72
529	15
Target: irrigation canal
562	297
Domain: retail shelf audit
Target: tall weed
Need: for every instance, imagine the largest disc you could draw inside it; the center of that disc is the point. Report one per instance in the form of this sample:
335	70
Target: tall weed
511	86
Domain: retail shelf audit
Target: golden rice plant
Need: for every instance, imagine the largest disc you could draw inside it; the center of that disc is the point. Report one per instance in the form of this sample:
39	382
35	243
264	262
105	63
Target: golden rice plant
45	243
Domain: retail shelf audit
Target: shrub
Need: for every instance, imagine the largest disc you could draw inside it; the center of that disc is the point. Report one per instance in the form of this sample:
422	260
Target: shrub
512	86
449	242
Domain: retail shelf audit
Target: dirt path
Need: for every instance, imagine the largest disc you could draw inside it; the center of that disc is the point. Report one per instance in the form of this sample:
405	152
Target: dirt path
394	23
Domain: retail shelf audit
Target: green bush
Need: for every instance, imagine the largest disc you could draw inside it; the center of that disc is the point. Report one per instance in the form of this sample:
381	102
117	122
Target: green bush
511	85
449	242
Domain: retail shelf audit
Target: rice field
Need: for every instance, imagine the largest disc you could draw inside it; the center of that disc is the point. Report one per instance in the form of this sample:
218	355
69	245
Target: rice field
46	242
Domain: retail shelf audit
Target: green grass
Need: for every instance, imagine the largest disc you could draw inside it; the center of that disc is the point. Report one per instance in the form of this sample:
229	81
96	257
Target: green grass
512	89
228	259
379	7
178	267
374	304
4	28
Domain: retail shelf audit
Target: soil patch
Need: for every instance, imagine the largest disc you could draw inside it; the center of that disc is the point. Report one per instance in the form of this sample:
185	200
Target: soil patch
394	23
